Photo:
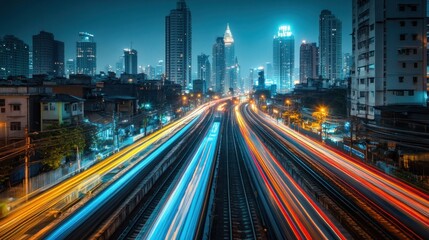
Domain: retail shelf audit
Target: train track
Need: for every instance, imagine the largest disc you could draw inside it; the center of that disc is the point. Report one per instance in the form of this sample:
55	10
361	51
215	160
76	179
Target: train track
151	203
237	214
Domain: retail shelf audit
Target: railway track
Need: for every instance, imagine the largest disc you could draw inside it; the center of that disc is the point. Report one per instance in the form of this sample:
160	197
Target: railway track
236	210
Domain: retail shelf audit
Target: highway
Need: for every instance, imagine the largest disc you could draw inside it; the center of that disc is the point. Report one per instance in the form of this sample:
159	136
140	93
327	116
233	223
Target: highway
294	214
29	218
399	210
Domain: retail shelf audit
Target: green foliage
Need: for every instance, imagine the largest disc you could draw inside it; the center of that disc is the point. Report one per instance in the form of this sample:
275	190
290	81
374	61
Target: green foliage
57	143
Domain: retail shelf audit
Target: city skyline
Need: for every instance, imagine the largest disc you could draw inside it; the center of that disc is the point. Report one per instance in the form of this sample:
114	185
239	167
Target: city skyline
143	26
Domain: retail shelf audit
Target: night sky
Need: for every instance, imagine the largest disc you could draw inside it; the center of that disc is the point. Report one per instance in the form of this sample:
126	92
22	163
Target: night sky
117	23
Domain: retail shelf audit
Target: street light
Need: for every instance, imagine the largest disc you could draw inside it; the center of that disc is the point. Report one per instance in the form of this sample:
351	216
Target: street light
288	102
321	118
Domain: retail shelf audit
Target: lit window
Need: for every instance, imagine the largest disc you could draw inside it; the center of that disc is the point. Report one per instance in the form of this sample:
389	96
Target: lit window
15	126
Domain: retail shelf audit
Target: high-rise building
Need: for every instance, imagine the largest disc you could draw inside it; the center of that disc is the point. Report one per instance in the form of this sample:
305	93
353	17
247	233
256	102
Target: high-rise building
218	77
230	75
159	69
330	45
119	66
204	69
308	61
48	55
150	72
389	44
283	59
178	45
130	61
70	67
86	54
347	65
268	70
13	57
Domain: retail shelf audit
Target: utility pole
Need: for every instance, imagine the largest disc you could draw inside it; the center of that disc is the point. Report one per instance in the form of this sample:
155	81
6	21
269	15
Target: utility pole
27	160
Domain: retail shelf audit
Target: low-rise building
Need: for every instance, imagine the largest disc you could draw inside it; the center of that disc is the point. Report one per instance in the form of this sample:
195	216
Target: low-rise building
59	109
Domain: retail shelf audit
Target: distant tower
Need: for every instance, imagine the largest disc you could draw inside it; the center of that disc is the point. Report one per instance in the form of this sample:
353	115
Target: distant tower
70	67
86	54
159	70
178	45
308	61
14	57
218	79
204	69
330	45
283	59
48	55
230	76
130	60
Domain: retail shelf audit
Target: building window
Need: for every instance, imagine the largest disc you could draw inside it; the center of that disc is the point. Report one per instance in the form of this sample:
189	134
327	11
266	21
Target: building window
362	81
401	7
67	107
371	27
15	126
415	79
416	65
371	80
401	79
402	23
404	65
2	110
414	23
15	107
45	107
398	93
415	50
74	106
414	36
411	93
413	8
52	106
402	37
2	102
362	94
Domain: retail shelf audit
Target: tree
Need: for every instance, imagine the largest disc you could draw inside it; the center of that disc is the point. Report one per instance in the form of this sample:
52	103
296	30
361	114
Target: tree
57	143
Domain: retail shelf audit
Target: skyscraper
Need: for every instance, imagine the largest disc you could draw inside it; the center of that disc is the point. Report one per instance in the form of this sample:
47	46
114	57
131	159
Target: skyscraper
230	75
308	61
330	45
347	65
178	44
86	54
204	69
159	69
48	55
130	60
283	59
218	78
13	57
389	55
70	67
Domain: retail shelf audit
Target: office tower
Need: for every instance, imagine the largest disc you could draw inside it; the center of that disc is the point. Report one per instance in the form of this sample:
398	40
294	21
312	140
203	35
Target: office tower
150	72
119	66
230	75
86	54
48	55
283	59
218	79
178	45
308	61
14	57
261	79
130	61
389	52
70	67
159	69
347	65
204	69
330	45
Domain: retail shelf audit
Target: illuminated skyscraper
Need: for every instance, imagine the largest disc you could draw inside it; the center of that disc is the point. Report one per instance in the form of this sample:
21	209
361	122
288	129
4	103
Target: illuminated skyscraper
230	74
86	54
13	57
130	60
308	61
70	67
159	70
48	55
330	45
283	59
218	77
204	69
178	44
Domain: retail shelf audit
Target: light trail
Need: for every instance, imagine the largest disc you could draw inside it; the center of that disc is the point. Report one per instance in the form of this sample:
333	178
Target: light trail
28	215
407	206
303	216
180	216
